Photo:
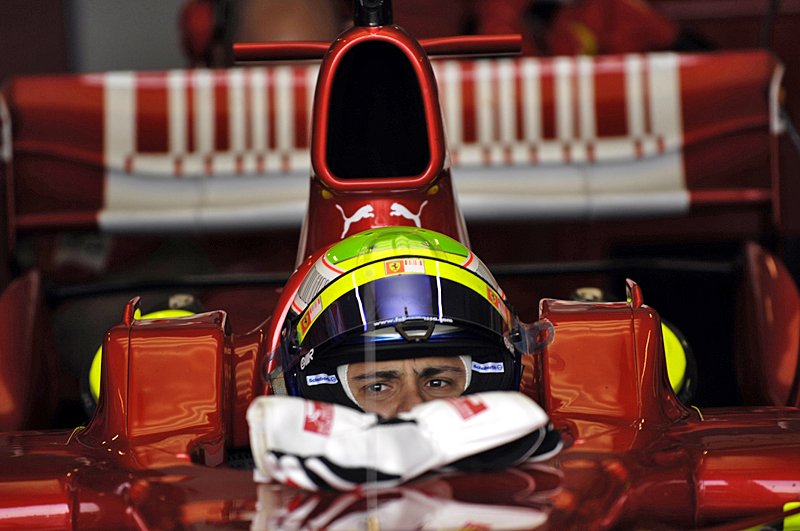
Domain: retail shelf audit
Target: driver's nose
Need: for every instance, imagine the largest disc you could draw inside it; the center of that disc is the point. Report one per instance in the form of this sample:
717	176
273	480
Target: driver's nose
407	401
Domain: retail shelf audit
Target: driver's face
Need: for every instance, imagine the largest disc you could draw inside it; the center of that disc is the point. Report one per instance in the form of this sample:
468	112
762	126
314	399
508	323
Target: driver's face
391	387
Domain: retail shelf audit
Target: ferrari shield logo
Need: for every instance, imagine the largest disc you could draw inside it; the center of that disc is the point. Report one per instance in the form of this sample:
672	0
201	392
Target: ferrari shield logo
394	267
407	265
493	298
313	311
495	301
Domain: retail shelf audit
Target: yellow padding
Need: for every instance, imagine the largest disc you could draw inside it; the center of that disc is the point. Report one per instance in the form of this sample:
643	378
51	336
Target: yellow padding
676	357
791	523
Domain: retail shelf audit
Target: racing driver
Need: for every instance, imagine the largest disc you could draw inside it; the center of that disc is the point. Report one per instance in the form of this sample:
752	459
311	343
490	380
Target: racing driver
400	355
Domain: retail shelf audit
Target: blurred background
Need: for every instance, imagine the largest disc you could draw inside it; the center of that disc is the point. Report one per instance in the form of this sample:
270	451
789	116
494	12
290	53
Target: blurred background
48	36
45	36
95	35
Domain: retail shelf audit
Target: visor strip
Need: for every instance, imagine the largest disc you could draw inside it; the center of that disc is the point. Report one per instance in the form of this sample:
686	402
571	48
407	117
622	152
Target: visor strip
325	270
401	266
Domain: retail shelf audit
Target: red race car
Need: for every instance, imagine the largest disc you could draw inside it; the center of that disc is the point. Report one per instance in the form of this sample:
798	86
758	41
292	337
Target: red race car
116	182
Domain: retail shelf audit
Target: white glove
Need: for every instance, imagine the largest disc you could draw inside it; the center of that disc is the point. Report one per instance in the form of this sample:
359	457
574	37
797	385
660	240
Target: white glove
317	445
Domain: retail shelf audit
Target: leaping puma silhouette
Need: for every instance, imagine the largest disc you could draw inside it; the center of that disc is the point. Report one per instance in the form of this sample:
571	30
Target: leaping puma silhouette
365	211
399	210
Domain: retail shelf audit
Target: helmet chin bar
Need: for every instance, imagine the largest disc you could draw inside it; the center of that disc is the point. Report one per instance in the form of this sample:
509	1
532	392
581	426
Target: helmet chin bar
531	338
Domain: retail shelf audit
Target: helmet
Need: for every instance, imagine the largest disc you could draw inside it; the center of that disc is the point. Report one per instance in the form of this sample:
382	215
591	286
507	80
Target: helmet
395	293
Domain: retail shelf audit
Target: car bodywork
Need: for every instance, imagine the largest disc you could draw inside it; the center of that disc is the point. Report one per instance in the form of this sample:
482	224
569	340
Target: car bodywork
189	151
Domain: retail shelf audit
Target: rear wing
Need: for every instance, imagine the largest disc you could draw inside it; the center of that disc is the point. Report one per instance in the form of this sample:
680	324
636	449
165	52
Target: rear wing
560	138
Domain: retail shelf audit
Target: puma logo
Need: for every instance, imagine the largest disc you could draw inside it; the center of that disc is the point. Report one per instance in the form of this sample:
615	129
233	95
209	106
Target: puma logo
399	210
364	212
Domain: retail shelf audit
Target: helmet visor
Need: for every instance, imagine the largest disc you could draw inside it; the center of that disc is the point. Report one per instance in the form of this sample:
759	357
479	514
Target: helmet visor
451	305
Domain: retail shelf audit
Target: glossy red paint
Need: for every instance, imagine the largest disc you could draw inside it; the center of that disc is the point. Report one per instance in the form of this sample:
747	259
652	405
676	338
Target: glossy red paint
417	59
166	385
459	45
24	356
338	206
772	305
280	51
605	382
334	214
635	456
613	393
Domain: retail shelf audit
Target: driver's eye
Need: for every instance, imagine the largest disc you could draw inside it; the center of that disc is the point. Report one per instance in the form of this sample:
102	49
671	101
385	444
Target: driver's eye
440	385
376	388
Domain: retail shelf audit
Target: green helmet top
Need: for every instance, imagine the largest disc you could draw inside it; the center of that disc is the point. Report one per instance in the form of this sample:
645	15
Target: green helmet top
386	243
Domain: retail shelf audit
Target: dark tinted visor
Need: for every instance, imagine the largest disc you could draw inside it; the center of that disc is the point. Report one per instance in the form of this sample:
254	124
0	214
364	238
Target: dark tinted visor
405	309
